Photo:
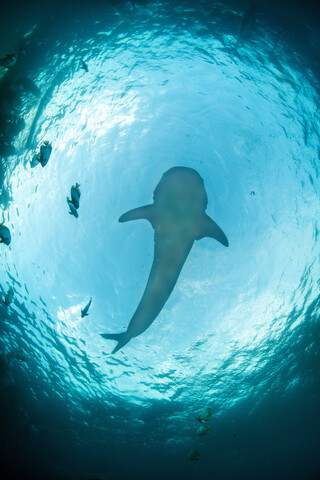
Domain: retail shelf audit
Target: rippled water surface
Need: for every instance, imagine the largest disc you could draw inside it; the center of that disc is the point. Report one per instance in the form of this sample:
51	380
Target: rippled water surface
166	86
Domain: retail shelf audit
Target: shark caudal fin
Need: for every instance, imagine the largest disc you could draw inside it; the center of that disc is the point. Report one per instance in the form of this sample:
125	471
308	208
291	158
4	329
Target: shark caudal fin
121	338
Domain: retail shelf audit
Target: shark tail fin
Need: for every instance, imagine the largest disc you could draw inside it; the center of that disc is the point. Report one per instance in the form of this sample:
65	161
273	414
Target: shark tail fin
211	229
121	338
146	212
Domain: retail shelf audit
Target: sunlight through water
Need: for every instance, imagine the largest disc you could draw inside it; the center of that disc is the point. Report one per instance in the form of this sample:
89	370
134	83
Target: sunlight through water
165	87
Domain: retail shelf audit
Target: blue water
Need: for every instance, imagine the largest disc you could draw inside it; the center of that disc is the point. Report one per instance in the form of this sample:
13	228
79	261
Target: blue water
168	84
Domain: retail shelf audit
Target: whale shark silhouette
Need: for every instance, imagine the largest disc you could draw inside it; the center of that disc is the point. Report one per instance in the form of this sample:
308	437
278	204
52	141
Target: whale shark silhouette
178	218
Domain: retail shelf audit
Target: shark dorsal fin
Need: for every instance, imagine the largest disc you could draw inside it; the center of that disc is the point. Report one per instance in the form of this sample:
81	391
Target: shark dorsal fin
209	228
146	212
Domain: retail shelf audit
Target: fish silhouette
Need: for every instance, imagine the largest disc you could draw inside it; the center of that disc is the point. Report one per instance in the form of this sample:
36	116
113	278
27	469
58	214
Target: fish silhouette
178	218
84	311
5	235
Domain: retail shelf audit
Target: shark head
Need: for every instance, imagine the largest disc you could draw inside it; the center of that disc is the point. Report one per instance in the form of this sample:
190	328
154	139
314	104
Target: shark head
180	201
181	189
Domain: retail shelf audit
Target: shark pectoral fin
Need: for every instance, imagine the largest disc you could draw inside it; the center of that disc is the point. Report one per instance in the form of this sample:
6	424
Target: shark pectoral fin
209	228
121	338
146	212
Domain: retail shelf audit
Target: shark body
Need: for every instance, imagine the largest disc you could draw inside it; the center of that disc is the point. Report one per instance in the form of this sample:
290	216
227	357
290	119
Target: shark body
178	218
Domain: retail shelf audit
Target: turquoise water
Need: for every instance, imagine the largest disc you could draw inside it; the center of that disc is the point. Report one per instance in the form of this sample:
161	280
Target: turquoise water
166	86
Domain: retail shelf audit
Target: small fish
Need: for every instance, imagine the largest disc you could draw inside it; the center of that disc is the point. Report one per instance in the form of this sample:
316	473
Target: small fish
203	430
35	160
75	195
84	66
9	297
193	455
43	156
73	210
5	235
204	415
45	152
9	60
84	312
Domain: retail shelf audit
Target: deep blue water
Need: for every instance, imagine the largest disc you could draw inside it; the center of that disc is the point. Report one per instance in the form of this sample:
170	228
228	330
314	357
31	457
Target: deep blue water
168	83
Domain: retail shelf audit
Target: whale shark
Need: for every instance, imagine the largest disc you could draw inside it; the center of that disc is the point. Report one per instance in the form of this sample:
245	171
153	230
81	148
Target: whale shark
178	218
